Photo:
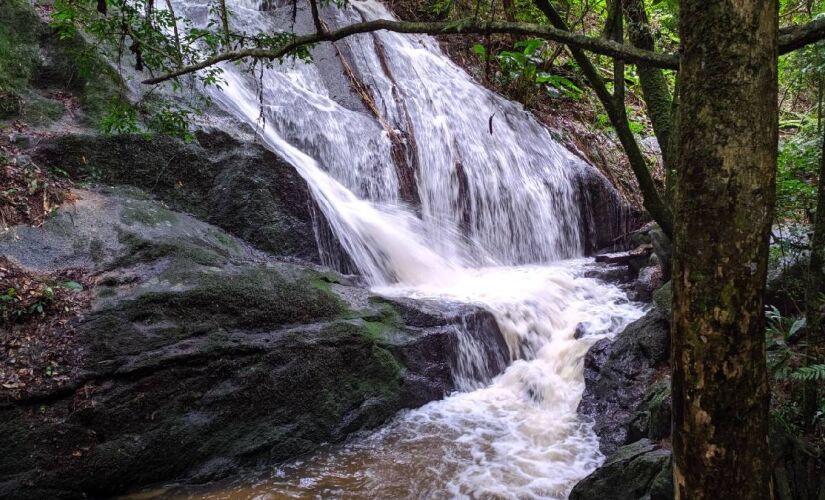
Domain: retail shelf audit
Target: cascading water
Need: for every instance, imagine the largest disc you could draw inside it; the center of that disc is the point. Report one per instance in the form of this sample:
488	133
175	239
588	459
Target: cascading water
439	189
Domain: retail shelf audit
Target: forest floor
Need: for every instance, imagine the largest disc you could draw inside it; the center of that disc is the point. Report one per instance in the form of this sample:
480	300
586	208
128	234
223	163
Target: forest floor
36	311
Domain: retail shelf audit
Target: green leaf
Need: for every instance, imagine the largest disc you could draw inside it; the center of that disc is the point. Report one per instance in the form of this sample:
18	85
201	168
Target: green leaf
72	285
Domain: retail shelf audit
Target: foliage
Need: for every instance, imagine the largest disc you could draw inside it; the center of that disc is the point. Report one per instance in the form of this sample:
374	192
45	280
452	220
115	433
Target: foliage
153	39
18	54
783	361
519	71
810	372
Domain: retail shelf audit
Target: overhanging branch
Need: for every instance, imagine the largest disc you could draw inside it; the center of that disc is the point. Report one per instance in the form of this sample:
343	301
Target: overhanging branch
609	48
796	37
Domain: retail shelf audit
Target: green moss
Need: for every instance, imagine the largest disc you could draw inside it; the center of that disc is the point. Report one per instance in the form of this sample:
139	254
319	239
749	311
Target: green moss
136	214
375	330
386	314
184	254
225	240
38	111
19	27
256	296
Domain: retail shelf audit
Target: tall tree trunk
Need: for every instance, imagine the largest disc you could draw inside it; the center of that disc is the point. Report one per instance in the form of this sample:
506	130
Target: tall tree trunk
815	325
724	209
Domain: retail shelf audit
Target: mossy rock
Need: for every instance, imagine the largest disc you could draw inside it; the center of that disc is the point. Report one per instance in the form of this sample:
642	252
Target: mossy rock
663	297
640	470
240	187
19	34
39	111
652	418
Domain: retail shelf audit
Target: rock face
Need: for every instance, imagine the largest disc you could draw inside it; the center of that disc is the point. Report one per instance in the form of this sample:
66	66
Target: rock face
631	409
238	186
201	354
606	218
641	470
617	374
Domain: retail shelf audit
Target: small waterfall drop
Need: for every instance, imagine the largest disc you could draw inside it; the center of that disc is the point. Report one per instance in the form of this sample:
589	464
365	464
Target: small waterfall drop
439	189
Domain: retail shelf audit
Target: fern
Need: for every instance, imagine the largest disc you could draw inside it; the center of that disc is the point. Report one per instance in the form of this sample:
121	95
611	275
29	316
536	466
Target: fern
810	373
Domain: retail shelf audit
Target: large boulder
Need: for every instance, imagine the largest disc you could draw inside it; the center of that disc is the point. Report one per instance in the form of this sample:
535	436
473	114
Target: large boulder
637	471
201	354
617	373
236	185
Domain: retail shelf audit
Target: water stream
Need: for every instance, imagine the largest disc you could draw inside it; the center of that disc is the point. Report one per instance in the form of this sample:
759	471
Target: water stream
429	200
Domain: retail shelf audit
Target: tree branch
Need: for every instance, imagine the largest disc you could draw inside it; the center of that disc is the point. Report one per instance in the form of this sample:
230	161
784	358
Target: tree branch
609	48
800	35
652	201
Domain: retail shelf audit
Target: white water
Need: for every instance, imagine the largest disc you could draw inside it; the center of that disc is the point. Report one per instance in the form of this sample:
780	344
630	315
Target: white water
498	213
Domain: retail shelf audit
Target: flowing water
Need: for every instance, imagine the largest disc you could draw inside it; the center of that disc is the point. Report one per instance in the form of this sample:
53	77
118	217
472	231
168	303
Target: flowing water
443	191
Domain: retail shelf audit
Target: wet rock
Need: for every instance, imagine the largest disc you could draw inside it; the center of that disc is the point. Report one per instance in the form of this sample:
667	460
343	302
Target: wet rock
635	259
236	185
651	419
202	354
785	286
641	470
663	298
617	374
648	280
610	273
606	218
663	249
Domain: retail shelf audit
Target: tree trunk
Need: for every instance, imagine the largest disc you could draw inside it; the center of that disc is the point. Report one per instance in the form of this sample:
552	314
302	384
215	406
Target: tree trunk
815	326
655	89
724	209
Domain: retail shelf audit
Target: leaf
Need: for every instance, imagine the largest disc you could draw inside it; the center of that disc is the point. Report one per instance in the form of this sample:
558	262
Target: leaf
72	285
796	326
529	46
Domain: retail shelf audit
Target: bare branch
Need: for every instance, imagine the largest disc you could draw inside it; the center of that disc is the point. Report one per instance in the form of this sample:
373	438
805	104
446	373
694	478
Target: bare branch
316	18
610	48
178	51
225	23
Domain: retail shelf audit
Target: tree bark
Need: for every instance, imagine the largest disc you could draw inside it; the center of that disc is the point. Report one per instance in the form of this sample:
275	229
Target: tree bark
814	308
724	209
655	89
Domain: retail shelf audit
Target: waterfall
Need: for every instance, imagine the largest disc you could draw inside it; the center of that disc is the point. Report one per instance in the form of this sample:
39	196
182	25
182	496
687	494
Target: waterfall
438	188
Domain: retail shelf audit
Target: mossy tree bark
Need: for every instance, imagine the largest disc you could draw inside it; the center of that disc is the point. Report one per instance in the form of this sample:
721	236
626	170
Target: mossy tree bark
727	150
655	89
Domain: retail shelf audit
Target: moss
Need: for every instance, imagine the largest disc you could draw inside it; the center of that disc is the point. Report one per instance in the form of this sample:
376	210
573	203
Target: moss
376	331
39	111
227	241
183	253
323	280
19	30
256	296
136	214
386	314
